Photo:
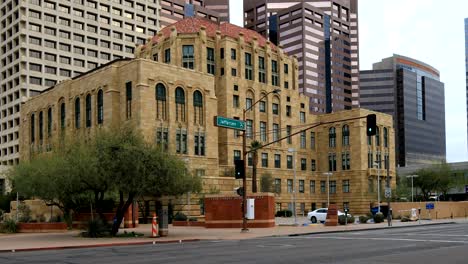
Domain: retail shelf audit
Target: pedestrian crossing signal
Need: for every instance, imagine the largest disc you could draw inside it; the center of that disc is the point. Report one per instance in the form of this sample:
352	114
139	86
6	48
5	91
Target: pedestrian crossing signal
239	169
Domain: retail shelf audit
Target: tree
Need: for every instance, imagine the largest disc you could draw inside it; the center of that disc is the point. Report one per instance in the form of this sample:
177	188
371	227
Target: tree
254	146
266	182
436	178
116	161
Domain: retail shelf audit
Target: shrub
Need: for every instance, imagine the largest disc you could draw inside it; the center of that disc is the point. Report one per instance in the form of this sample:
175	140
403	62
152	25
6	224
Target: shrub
405	219
9	226
363	219
342	219
96	228
284	213
378	218
24	213
180	217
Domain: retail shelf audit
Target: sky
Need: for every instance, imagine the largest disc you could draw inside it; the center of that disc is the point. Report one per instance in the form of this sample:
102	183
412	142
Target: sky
431	31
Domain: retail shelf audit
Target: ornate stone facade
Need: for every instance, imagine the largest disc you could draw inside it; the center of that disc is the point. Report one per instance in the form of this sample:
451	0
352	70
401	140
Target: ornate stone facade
195	70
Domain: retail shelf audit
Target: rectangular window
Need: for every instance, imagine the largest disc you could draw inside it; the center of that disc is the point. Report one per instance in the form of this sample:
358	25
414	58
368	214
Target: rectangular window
275	108
210	60
288	134
199	144
128	93
312	186
233	54
249	128
346	186
167	56
235	101
286	68
221	51
303	140
237	154
249	159
277	185
301	186
265	160
233	72
274	73
248	103
290	186
332	186
262	106
188	56
289	161
276	132
181	141
162	138
302	117
277	161
248	66
263	132
303	164
322	187
261	70
313	165
331	162
312	140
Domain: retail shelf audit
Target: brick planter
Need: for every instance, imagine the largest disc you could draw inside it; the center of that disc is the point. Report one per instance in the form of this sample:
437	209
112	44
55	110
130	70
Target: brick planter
41	227
189	223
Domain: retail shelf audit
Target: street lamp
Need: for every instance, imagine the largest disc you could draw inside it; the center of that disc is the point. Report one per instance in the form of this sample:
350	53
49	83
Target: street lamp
328	186
244	155
377	163
412	177
293	150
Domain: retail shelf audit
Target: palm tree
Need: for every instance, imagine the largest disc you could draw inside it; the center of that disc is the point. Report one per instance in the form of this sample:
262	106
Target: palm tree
254	146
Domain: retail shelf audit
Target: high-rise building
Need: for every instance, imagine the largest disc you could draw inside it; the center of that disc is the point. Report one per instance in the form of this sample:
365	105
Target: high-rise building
323	35
44	42
466	68
411	91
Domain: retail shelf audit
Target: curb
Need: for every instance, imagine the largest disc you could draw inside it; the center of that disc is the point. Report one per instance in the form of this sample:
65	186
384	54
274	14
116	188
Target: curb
367	229
117	244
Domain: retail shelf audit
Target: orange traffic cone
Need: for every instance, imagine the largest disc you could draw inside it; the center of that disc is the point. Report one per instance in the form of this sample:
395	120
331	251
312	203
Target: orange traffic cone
154	227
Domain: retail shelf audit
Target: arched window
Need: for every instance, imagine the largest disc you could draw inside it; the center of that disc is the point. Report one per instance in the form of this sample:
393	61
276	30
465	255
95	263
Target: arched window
49	122
33	128
88	110
41	127
180	104
377	136
62	116
198	107
331	137
100	107
77	113
345	134
161	102
385	137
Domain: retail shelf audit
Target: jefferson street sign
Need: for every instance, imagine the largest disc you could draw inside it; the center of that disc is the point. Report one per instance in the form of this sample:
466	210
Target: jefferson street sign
229	123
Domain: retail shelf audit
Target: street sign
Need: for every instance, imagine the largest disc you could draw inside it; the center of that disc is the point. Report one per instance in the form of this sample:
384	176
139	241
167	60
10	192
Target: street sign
388	192
229	123
429	206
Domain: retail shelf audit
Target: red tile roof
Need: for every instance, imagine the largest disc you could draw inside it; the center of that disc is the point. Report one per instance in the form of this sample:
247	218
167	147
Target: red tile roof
193	25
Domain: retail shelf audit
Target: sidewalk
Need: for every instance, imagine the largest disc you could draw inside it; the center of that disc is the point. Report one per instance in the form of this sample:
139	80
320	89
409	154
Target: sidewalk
71	239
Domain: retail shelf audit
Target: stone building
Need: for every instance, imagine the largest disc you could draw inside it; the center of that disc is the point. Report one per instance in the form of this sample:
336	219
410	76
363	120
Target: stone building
195	70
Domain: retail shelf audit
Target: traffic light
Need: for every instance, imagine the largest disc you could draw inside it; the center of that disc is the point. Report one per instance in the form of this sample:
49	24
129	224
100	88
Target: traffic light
371	125
239	170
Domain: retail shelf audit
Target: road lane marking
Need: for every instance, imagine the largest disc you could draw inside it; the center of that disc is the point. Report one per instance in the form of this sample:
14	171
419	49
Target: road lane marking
389	239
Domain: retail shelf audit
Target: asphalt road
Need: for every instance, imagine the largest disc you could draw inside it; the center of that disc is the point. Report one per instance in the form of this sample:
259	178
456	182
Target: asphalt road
426	244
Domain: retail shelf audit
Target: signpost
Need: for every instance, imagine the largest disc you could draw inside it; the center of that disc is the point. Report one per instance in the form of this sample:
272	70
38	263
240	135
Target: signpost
229	123
388	192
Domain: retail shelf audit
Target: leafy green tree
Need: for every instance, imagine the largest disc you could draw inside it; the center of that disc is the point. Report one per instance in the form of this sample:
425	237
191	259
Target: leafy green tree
266	182
254	146
436	178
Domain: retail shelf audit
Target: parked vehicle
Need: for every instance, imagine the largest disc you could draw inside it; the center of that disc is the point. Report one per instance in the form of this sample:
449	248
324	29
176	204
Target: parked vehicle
320	215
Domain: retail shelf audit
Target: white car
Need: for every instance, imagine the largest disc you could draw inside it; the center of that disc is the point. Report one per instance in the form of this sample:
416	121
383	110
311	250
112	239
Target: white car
320	215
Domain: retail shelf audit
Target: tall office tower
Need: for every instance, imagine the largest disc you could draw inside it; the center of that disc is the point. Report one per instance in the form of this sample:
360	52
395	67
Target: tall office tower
466	68
324	37
411	91
45	41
